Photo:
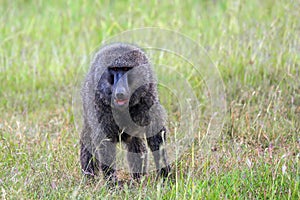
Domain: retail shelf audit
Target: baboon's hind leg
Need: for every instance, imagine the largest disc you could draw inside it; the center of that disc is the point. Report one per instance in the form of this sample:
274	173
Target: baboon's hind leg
88	164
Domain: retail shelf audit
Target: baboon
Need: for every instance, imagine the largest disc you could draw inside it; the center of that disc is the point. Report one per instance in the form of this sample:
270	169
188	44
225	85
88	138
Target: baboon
121	104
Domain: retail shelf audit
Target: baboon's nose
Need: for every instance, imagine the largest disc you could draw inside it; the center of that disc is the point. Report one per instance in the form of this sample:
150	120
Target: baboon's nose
120	93
120	98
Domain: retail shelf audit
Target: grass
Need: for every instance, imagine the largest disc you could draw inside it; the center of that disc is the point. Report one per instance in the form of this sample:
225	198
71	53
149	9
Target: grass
255	46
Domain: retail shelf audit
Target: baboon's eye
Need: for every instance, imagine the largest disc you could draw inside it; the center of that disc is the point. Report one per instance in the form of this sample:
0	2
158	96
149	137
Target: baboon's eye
114	68
126	68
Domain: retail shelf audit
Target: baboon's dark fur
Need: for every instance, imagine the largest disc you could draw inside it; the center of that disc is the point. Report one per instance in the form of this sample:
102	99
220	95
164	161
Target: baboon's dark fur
101	132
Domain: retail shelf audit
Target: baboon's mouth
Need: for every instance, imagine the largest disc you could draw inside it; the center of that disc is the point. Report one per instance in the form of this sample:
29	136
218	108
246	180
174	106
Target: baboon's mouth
121	102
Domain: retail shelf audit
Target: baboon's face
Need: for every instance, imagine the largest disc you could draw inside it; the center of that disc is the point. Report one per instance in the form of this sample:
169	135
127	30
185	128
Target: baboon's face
126	72
120	79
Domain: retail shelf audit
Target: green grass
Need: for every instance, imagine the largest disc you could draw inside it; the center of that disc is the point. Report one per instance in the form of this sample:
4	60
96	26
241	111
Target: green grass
255	45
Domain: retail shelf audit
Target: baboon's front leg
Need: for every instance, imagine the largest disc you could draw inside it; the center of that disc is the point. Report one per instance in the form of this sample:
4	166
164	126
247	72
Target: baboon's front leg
106	156
137	157
155	143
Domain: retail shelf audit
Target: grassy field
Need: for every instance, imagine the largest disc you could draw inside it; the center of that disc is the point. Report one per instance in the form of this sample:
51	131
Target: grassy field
255	45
